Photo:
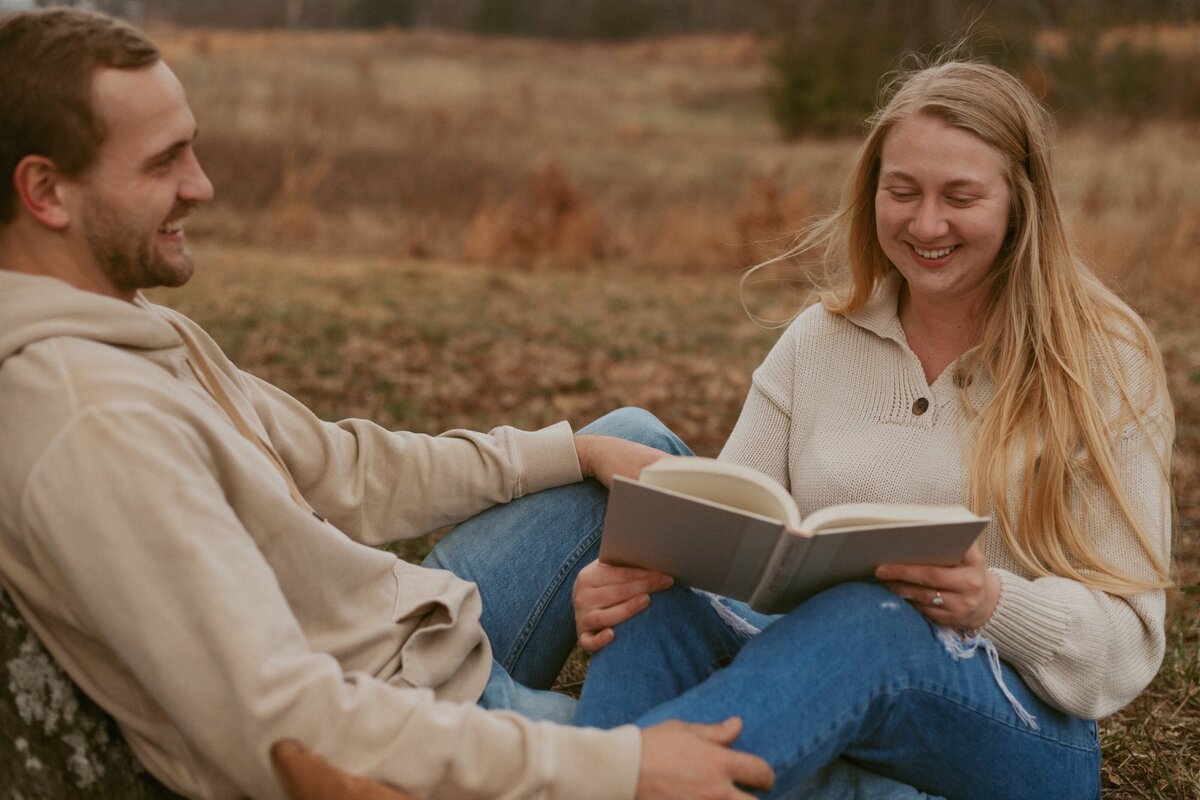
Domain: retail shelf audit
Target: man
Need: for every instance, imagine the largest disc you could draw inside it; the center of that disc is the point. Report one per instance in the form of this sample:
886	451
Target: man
192	545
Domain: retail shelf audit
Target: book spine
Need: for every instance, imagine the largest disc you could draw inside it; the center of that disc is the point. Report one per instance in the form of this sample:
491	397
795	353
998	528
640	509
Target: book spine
787	558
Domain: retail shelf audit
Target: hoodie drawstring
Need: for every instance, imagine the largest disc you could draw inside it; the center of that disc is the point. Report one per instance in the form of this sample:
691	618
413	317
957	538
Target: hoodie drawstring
204	374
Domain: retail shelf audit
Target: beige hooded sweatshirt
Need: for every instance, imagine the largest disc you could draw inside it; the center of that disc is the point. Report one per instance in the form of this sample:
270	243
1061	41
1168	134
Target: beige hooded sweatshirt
159	555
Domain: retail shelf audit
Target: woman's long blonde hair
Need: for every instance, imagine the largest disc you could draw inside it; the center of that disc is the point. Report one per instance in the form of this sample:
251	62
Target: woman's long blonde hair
1049	337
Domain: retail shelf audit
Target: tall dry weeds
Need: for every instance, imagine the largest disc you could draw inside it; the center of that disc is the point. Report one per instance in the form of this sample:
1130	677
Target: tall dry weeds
552	223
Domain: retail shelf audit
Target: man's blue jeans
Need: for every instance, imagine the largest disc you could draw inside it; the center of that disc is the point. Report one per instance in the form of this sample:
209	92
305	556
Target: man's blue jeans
667	662
524	557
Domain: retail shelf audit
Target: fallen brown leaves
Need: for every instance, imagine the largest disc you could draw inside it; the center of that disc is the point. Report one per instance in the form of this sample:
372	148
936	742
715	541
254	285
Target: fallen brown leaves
429	346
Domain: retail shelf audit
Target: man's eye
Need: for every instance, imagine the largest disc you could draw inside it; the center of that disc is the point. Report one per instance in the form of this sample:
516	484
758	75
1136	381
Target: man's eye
165	163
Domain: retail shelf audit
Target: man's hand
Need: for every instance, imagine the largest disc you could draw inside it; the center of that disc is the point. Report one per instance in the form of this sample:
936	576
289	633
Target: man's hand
682	761
606	596
601	457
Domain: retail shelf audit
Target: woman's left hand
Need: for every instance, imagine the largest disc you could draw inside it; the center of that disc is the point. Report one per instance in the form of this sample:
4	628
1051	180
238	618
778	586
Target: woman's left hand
962	596
601	457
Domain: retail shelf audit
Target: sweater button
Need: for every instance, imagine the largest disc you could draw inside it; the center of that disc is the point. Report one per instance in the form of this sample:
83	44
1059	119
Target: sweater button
920	406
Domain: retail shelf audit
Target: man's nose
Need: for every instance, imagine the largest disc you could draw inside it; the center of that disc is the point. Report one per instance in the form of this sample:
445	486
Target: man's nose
196	187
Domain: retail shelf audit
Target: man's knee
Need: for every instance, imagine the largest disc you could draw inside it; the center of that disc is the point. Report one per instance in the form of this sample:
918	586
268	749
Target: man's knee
638	425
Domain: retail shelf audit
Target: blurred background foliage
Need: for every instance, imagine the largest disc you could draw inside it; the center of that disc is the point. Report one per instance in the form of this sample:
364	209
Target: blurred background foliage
1099	59
444	213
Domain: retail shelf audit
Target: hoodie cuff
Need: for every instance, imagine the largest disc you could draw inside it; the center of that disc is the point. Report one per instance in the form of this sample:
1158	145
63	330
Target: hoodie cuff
547	458
594	764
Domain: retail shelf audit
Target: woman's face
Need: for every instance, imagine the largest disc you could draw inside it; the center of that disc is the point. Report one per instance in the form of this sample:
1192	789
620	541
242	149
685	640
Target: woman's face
941	209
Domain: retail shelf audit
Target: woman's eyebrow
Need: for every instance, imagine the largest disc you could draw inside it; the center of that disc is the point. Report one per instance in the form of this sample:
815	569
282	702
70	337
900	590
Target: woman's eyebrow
957	183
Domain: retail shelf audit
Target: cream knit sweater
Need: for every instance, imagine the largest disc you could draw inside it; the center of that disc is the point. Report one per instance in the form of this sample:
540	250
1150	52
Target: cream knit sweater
841	412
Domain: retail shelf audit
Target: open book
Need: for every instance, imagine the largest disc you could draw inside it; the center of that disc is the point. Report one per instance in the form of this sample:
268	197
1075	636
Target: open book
731	530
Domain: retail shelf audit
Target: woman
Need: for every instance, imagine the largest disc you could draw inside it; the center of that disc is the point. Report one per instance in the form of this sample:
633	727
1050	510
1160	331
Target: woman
961	354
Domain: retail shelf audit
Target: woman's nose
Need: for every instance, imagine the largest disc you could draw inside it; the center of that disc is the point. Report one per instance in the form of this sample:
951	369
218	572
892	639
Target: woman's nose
929	222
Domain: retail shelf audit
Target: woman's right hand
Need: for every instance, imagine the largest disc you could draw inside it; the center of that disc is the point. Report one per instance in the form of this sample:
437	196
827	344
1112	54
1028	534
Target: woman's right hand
605	596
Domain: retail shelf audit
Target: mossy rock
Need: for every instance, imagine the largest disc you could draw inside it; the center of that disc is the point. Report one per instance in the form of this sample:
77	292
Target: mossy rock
57	742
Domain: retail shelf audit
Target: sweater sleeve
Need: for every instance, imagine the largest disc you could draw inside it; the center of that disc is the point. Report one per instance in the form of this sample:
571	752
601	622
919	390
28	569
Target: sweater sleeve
1083	650
178	592
762	436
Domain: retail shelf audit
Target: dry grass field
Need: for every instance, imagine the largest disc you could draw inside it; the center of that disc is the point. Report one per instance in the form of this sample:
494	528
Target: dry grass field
435	231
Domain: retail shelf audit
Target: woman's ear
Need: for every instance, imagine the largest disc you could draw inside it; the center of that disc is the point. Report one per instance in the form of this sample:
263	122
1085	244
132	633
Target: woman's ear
42	190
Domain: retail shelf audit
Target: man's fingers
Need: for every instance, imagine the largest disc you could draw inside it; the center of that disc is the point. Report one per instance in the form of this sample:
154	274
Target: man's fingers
723	732
752	771
744	768
683	761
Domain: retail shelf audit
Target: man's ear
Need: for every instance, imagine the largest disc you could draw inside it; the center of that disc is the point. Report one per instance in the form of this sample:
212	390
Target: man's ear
41	188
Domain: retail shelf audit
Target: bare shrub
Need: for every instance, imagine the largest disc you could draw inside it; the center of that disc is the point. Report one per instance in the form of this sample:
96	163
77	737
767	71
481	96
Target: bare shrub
767	217
555	223
294	213
685	237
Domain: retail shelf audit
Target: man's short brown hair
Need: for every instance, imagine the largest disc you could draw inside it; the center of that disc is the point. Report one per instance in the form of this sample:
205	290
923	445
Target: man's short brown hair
47	59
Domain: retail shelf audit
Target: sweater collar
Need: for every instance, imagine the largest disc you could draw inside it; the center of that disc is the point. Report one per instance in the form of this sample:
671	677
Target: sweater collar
879	314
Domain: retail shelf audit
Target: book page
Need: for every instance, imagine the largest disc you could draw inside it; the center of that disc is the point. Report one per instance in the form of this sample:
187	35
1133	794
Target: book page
723	482
861	515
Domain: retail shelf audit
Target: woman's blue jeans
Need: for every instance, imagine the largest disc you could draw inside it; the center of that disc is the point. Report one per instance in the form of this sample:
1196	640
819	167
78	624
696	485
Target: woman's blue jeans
853	672
669	663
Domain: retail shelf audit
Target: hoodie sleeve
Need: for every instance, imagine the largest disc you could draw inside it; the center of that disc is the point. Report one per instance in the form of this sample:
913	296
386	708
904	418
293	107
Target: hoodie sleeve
179	592
378	485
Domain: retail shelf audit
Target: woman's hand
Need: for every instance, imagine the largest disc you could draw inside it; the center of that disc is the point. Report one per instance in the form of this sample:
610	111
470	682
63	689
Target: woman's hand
605	596
962	596
601	457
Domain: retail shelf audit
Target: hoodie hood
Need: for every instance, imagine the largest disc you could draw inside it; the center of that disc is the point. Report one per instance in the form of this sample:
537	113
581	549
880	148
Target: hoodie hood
35	307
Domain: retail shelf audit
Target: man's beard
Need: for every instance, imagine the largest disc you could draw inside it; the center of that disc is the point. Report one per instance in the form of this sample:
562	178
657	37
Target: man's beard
129	258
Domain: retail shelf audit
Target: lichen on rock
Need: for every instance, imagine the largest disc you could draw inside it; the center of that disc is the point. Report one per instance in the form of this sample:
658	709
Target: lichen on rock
43	694
63	744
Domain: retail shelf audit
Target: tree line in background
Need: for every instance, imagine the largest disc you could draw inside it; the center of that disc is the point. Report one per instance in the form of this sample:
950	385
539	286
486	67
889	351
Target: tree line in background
1087	60
826	56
